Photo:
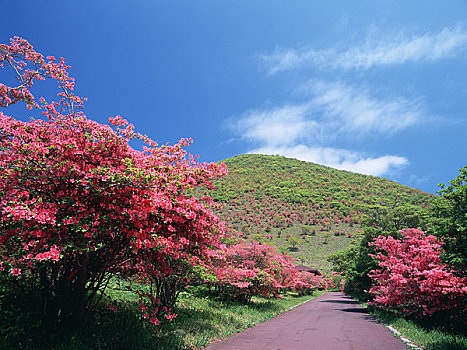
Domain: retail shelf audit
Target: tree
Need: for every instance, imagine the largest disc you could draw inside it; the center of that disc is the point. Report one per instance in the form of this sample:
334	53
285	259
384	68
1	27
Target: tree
294	242
79	205
306	283
450	221
396	217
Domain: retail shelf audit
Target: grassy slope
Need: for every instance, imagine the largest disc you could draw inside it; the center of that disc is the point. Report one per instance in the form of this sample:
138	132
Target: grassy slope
316	207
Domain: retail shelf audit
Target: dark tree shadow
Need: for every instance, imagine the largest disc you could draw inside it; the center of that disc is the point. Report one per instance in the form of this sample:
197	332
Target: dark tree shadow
339	301
355	311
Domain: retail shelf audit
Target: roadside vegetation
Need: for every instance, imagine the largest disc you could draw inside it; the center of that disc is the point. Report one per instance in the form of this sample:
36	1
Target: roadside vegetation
423	333
201	319
415	279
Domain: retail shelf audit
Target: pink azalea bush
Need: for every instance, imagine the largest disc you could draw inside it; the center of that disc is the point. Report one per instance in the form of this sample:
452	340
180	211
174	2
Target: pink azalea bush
252	268
306	282
412	279
80	205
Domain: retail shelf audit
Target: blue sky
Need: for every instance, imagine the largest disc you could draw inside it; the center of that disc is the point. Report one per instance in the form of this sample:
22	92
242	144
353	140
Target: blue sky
376	87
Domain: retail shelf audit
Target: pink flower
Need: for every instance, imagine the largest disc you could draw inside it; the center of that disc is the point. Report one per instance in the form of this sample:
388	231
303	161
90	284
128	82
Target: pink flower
170	316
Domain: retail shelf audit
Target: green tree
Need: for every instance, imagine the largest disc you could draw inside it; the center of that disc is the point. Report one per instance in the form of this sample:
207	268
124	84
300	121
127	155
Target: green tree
294	242
396	217
450	221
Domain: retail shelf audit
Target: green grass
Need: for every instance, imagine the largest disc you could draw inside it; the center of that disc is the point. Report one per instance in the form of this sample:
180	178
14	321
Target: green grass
425	336
313	250
202	319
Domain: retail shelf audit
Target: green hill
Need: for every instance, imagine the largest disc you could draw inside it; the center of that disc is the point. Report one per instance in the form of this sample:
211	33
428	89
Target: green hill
309	210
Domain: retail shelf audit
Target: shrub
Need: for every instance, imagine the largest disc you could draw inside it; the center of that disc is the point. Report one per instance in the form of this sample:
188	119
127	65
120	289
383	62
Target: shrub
251	268
412	279
306	283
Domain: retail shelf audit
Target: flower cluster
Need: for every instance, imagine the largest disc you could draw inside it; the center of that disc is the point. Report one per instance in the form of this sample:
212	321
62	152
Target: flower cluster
252	268
412	278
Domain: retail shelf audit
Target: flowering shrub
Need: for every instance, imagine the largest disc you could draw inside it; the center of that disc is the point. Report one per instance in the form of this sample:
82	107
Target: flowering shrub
342	285
251	268
78	204
306	282
412	279
333	282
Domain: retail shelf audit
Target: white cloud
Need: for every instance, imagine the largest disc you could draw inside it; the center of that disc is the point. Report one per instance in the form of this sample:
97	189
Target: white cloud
349	109
378	49
338	158
286	59
374	166
275	127
333	111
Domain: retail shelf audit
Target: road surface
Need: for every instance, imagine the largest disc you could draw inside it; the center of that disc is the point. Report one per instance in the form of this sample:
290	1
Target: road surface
333	321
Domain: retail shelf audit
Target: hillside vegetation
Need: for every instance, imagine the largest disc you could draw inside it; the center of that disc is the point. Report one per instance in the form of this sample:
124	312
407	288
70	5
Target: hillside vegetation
309	210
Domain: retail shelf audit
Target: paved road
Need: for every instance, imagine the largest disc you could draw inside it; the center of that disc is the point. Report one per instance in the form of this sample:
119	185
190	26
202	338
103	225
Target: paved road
331	322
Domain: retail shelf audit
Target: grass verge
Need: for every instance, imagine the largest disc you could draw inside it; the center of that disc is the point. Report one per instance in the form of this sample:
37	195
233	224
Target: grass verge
426	337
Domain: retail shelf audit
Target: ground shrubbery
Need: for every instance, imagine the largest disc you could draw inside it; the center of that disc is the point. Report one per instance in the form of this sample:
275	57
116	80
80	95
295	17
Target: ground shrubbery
251	268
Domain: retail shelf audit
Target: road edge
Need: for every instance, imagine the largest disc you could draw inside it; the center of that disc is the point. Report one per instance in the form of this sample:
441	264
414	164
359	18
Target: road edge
393	330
